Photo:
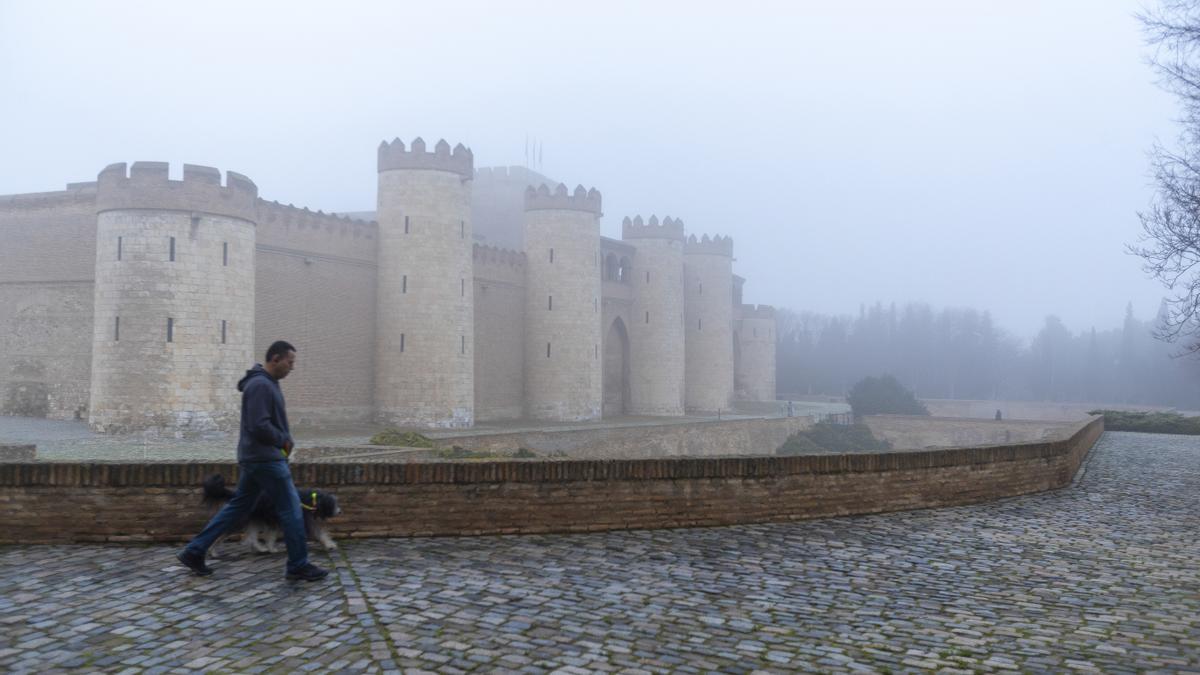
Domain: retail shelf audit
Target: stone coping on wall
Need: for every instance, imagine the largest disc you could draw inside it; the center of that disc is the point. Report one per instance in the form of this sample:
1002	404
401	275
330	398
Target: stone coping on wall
190	474
61	502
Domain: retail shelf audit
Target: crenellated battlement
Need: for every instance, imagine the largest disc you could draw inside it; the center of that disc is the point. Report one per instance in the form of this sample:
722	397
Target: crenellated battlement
393	156
717	245
543	199
147	185
483	254
757	312
635	229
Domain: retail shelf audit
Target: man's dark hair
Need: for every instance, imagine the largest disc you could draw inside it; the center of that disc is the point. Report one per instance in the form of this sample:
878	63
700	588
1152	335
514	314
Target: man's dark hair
278	348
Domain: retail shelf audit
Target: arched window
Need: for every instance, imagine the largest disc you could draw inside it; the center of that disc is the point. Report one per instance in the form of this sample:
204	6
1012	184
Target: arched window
610	268
626	270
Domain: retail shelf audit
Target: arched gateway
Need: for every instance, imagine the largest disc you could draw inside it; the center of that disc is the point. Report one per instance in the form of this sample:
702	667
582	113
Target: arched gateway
616	369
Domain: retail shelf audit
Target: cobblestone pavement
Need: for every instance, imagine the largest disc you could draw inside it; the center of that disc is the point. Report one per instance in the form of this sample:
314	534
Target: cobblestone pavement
1100	576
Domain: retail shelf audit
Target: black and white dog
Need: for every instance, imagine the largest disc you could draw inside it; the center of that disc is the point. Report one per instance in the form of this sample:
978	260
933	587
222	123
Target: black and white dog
262	528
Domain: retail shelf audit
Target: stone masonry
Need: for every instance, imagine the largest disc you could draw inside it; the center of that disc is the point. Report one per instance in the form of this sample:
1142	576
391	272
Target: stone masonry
136	302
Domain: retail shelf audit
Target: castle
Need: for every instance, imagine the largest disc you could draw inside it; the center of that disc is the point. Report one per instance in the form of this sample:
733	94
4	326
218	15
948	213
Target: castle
137	301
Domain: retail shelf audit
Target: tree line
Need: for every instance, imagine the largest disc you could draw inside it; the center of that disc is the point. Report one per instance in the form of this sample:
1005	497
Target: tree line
961	354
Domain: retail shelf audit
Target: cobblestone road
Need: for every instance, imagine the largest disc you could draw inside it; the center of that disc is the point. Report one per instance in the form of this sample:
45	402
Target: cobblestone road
1099	576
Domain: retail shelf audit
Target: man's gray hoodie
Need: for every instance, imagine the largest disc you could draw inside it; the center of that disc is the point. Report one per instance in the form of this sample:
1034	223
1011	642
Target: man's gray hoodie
264	420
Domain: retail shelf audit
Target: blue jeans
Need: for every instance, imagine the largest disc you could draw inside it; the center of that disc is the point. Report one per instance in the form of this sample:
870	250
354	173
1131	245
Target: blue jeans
273	479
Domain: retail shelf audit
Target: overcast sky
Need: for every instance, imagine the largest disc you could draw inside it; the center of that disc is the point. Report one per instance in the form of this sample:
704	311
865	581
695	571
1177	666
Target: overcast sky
987	154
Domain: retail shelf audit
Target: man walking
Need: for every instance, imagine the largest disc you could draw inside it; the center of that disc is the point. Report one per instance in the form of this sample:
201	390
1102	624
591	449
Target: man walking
263	449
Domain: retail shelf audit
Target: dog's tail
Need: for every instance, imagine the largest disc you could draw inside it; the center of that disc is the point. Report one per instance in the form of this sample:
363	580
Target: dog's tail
215	491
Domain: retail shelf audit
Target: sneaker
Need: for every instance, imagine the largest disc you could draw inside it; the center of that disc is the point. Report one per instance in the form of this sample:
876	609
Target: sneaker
194	562
309	572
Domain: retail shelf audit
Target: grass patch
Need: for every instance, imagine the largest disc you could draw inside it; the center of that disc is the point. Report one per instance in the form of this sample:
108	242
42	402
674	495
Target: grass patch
1149	422
408	439
826	438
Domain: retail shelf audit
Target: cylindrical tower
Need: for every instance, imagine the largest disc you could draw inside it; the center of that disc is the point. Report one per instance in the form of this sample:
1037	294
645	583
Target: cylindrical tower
562	307
708	323
754	367
425	374
174	299
657	319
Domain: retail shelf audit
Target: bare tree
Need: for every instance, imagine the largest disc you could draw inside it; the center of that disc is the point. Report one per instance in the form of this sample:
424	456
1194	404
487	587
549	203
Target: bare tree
1170	243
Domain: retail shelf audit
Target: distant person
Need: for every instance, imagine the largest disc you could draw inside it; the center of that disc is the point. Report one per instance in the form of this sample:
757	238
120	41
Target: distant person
263	449
791	410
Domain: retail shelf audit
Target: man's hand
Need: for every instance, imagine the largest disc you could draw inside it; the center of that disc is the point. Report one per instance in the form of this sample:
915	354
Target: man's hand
287	448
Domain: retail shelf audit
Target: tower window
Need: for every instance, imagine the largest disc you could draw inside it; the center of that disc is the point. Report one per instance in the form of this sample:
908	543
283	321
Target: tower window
647	276
597	353
701	291
225	253
404	284
402	342
550	303
547	350
647	317
462	287
222	331
172	249
119	247
405	224
463	348
462	229
170	330
117	330
551	255
699	324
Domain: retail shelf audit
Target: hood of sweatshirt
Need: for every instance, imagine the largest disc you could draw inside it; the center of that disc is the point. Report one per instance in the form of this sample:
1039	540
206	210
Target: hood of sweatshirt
256	371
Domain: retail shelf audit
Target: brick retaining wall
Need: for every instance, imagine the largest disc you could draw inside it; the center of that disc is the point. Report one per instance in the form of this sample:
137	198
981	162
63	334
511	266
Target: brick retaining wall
58	502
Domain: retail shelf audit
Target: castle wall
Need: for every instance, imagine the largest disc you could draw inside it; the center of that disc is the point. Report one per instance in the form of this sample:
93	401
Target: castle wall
174	297
425	361
499	334
657	330
754	372
315	278
708	329
47	261
563	377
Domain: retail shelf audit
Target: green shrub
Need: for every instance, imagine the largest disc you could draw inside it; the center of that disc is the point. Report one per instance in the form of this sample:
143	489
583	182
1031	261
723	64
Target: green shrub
408	439
824	438
883	396
1149	422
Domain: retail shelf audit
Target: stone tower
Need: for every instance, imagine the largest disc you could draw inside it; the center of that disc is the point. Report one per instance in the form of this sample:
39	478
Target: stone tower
424	343
708	322
657	318
563	378
755	362
174	297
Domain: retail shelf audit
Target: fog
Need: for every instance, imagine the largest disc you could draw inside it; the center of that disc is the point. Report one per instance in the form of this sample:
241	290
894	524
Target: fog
985	154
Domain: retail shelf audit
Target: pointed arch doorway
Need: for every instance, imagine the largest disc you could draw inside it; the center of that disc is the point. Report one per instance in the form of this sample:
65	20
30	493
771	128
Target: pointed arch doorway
616	369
